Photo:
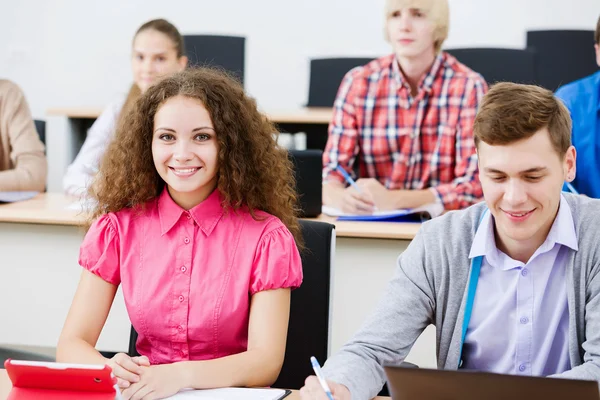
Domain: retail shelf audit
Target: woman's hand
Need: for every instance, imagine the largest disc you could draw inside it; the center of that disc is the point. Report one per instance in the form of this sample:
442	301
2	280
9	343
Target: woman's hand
156	382
127	369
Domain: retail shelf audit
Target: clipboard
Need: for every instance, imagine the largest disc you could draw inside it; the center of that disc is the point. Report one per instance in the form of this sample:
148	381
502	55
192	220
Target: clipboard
34	380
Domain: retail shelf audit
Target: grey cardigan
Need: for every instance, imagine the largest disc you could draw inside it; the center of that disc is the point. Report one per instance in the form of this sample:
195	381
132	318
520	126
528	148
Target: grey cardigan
429	287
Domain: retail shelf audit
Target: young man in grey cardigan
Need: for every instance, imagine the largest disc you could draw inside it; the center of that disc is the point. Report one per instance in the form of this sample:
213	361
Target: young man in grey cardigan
535	308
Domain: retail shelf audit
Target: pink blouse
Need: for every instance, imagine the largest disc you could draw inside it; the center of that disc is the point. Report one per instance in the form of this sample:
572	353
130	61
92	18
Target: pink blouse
188	276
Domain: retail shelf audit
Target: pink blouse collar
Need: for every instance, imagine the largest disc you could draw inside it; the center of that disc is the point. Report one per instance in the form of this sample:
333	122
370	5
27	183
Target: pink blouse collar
206	214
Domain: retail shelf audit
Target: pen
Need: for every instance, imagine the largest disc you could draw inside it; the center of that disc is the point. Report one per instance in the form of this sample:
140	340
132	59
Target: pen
571	188
348	178
317	369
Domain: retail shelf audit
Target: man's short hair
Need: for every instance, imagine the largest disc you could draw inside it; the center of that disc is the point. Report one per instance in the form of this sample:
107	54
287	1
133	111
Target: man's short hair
511	112
597	37
437	11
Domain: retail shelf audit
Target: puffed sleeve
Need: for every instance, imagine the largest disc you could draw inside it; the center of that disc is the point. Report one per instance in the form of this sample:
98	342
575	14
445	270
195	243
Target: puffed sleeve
277	262
99	252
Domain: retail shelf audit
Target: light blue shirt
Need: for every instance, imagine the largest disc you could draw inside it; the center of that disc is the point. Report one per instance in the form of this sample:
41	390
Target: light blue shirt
520	318
582	98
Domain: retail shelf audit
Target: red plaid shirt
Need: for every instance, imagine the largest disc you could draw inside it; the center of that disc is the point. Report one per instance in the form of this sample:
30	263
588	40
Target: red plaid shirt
409	142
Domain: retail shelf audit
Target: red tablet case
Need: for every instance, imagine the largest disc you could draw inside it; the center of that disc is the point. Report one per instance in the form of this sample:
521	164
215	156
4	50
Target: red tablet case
54	381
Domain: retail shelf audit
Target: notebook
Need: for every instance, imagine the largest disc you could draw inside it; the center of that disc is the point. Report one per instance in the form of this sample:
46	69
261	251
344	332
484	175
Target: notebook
11	197
231	394
419	214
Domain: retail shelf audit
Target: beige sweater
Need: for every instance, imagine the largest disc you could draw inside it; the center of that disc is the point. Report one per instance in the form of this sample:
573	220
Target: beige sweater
22	161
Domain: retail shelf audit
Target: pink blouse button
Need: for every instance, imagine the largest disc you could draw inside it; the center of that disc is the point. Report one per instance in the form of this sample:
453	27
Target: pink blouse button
183	268
186	240
181	298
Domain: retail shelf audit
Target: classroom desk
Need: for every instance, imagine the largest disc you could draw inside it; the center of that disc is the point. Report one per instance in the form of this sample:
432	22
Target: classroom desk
40	241
5	386
66	129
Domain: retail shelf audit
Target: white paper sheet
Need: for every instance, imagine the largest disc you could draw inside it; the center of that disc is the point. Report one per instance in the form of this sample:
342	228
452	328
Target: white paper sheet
11	197
229	394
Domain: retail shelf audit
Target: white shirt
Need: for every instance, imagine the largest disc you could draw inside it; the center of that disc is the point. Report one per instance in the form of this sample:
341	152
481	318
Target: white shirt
80	173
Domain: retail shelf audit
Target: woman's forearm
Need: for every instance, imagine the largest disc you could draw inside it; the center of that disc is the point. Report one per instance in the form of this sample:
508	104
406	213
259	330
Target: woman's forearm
252	368
74	350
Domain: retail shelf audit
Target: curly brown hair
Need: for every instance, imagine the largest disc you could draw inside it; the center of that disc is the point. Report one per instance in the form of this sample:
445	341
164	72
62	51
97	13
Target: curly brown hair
597	33
253	171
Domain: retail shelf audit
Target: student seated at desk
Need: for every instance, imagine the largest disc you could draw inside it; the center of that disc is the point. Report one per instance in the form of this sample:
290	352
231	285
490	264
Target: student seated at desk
407	119
157	51
22	161
533	309
582	98
196	222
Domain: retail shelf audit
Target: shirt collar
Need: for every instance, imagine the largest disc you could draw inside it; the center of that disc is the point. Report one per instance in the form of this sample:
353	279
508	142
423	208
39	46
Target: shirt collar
561	232
426	82
563	228
484	242
205	214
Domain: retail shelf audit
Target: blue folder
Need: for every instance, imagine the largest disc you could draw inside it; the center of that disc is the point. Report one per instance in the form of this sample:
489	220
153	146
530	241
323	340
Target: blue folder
400	217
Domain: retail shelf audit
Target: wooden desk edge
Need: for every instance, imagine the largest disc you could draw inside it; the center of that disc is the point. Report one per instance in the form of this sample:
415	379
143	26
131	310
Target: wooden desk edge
341	231
374	235
52	209
75	112
306	115
36	220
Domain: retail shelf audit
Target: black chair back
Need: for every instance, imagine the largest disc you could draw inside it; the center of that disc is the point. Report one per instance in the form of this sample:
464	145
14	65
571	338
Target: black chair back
562	56
308	330
40	127
133	335
227	52
326	75
499	65
308	168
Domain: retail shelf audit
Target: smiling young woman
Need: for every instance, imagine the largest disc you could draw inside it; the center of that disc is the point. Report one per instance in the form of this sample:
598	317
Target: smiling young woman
196	221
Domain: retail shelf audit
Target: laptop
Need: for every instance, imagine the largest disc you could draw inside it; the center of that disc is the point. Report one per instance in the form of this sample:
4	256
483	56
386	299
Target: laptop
308	168
432	384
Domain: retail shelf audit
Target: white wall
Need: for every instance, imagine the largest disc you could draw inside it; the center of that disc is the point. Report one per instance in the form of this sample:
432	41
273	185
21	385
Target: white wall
75	52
